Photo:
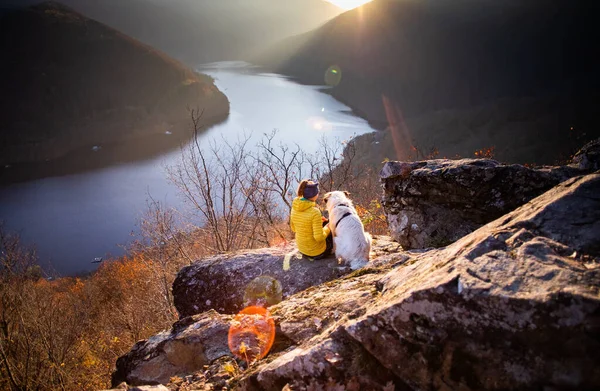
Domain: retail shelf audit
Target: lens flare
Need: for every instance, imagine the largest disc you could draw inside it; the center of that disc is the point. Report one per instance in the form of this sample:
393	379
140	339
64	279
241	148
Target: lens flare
333	76
348	4
400	133
251	334
263	291
319	123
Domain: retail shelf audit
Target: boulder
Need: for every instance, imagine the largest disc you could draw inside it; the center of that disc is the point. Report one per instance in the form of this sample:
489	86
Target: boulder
588	157
514	305
192	343
323	354
435	202
220	282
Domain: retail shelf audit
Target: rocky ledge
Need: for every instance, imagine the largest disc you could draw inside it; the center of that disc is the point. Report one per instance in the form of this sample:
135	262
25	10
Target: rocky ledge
223	282
514	305
433	203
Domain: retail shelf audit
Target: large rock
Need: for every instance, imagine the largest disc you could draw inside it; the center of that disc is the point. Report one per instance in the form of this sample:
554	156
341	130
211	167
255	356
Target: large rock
220	282
588	157
191	343
512	306
435	202
515	305
325	356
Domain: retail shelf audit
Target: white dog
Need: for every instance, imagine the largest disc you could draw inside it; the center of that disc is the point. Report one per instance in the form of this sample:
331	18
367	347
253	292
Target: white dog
351	242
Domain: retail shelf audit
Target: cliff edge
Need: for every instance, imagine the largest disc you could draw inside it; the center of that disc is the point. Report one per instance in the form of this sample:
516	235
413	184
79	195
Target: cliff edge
512	305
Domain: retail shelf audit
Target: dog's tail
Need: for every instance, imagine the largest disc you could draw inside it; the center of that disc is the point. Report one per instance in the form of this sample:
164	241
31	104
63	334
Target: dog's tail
369	239
365	253
368	244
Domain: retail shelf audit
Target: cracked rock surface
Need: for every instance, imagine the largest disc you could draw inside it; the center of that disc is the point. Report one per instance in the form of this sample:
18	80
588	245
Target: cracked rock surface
191	343
433	203
219	282
514	305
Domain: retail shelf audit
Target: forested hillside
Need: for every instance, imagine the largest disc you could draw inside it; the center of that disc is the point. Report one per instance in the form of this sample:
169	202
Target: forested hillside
70	82
464	62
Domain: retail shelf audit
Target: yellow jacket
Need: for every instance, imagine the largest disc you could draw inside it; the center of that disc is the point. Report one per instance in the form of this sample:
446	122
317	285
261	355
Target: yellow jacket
306	223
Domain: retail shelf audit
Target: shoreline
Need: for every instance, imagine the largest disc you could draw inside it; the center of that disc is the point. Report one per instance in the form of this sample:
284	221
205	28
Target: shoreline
85	159
376	124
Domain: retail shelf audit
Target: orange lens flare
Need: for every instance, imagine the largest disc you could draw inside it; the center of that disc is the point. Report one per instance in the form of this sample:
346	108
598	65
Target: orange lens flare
251	334
397	127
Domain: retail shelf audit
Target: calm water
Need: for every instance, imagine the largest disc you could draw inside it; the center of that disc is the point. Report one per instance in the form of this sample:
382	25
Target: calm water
75	218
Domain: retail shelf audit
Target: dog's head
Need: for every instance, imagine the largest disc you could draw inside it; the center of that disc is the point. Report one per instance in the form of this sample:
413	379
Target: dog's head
334	198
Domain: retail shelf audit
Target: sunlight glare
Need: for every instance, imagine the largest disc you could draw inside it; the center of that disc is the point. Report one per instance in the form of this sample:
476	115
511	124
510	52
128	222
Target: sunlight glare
319	123
348	4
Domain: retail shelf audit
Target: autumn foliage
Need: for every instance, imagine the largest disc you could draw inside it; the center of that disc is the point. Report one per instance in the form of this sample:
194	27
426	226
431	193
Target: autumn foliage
67	333
485	153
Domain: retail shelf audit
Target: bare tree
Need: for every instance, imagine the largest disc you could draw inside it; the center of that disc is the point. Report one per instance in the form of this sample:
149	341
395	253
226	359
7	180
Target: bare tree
15	259
279	162
333	164
213	182
163	247
241	196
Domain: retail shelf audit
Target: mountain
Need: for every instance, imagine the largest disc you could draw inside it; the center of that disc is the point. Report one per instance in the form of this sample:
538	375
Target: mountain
69	82
200	31
397	59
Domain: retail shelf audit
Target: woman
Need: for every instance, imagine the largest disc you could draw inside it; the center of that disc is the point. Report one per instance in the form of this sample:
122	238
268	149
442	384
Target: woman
313	236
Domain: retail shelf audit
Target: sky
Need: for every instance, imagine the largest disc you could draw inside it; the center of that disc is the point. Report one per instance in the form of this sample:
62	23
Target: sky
348	4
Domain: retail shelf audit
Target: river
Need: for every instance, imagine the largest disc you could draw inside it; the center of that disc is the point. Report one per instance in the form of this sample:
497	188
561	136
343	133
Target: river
73	219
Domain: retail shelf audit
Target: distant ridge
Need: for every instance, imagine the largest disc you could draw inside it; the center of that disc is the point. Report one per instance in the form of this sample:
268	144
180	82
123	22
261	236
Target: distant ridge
70	82
201	31
427	56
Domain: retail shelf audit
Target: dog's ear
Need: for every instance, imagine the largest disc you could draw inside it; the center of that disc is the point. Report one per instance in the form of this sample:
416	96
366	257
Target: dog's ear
326	197
347	193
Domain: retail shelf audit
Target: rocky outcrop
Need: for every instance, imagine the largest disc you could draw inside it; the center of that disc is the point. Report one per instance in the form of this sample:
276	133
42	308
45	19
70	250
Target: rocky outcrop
435	202
180	351
515	305
191	343
220	282
197	341
588	157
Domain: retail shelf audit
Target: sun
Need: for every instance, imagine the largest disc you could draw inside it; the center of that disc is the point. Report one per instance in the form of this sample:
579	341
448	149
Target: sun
348	4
